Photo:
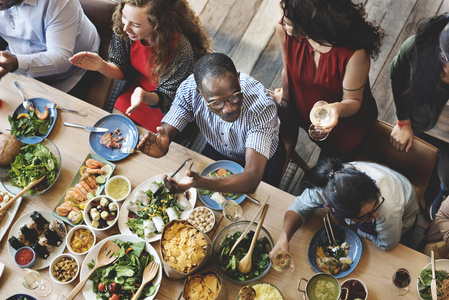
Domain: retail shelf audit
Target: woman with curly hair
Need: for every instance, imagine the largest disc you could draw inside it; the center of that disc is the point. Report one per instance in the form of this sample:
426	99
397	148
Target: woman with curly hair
154	47
326	47
419	76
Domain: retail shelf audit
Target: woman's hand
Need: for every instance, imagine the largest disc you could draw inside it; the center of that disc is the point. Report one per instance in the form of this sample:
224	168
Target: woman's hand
87	60
402	137
136	100
334	115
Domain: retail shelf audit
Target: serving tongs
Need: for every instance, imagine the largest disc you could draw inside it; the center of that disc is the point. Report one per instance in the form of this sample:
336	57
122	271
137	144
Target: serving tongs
333	247
161	188
249	225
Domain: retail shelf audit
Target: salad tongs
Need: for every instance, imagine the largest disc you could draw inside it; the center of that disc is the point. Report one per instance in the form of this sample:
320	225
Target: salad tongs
161	188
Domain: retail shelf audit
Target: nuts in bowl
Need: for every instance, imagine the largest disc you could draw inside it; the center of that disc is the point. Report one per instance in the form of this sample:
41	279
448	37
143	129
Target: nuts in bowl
64	268
80	239
202	218
101	213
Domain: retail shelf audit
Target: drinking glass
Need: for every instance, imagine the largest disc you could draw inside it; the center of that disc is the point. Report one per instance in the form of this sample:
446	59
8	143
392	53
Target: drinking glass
320	116
232	211
282	261
401	282
32	280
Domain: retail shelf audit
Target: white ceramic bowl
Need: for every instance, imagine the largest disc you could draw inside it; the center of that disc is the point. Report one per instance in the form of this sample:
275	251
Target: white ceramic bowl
56	260
195	215
114	180
70	235
89	206
359	281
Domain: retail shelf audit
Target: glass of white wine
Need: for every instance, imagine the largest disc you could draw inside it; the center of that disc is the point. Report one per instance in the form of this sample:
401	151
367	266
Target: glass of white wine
282	261
232	211
32	280
320	116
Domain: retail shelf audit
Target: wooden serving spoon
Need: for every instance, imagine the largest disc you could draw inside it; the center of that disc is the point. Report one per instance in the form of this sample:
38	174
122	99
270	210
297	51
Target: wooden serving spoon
29	186
148	274
244	265
104	257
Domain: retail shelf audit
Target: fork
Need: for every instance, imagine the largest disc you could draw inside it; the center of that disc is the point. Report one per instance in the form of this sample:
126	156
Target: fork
54	105
148	274
129	150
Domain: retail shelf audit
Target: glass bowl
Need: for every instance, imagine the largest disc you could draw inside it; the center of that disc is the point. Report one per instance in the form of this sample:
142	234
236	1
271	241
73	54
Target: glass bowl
48	181
230	230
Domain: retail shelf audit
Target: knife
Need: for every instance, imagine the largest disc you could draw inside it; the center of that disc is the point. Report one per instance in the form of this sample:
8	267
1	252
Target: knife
433	283
88	128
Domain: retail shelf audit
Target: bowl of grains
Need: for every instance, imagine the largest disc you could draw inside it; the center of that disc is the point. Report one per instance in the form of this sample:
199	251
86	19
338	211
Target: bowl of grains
64	268
202	218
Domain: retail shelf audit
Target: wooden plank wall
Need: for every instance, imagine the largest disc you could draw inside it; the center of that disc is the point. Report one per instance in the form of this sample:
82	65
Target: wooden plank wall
244	29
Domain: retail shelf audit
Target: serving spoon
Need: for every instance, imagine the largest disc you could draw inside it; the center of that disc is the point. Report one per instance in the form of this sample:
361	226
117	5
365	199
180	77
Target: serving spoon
27	104
29	186
244	265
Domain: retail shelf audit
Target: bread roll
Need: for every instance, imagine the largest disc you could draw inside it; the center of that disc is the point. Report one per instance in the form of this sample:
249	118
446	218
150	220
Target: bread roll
8	153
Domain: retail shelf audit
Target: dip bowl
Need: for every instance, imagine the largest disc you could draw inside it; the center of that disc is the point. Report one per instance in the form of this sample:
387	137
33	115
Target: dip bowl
118	187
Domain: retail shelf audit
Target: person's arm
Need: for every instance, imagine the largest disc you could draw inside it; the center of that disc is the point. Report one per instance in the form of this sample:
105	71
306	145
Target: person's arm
292	222
281	96
93	62
8	63
442	220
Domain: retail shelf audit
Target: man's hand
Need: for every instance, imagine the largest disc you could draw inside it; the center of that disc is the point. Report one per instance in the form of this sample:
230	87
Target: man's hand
136	100
402	138
87	60
8	63
183	185
155	145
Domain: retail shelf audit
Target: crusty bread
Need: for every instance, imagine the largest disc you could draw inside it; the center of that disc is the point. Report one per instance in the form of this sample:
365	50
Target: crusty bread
9	148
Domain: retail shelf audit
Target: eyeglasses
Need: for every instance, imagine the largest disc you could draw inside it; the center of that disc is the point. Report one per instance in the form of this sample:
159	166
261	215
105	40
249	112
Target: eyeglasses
233	99
368	215
444	57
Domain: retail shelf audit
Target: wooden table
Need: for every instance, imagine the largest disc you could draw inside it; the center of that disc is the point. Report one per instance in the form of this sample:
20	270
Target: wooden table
375	268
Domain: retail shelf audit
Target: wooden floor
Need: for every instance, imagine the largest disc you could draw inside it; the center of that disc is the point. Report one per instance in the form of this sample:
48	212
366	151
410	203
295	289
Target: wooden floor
244	29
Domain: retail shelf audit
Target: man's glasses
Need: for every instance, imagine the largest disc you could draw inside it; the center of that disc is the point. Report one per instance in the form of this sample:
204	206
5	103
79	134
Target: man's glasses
233	99
367	216
444	57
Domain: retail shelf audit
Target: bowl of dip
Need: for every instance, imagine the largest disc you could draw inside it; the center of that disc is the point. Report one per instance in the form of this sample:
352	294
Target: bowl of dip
321	286
118	187
25	257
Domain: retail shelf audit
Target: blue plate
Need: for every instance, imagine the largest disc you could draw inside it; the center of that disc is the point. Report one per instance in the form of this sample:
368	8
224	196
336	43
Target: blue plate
229	165
39	103
17	296
113	122
354	253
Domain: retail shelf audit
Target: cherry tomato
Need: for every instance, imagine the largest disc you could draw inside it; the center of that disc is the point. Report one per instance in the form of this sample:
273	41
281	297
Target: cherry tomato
111	287
114	297
101	287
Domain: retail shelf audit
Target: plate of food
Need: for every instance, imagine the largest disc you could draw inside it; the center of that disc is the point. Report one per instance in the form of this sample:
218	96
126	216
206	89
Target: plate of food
41	231
88	183
122	132
125	273
345	260
220	168
442	277
39	122
145	216
7	216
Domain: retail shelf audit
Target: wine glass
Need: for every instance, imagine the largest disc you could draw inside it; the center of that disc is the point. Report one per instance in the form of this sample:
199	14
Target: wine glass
232	211
282	261
401	282
32	280
320	116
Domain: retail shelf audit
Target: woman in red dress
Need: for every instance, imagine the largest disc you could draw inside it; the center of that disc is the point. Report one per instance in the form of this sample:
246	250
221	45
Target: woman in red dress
326	47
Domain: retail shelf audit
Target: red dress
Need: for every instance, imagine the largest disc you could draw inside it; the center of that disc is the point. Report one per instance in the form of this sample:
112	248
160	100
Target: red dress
305	89
146	116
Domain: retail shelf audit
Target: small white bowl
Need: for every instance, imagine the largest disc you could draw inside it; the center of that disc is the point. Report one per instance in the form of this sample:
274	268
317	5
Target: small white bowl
114	180
88	207
56	260
72	232
358	280
192	220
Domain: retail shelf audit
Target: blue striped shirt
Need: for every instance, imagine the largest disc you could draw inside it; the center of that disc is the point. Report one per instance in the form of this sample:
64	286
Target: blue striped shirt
257	126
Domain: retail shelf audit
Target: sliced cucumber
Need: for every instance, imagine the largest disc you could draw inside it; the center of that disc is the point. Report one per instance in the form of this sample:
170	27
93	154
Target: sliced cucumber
101	179
89	196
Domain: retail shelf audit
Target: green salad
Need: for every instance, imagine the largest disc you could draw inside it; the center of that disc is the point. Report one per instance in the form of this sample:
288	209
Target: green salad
260	258
28	124
33	162
220	173
122	279
424	280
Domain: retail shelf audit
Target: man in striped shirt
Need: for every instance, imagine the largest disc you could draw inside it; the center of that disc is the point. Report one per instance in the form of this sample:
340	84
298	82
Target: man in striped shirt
237	117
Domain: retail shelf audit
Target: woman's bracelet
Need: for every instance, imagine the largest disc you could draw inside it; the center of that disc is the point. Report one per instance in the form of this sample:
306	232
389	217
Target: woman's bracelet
400	124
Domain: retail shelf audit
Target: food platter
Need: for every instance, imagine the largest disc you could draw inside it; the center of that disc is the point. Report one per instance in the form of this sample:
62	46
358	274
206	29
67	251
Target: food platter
144	186
229	165
7	219
76	180
440	265
39	103
113	122
88	292
24	219
354	253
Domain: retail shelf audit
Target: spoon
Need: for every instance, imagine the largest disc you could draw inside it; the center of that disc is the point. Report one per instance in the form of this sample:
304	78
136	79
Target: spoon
244	265
148	274
27	104
29	186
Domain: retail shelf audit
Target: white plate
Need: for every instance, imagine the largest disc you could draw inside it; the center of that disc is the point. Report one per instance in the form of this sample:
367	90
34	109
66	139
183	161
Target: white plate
9	215
145	186
15	229
88	293
440	265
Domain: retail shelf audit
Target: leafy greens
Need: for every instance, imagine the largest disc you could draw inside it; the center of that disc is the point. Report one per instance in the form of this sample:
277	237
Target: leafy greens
30	125
424	280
